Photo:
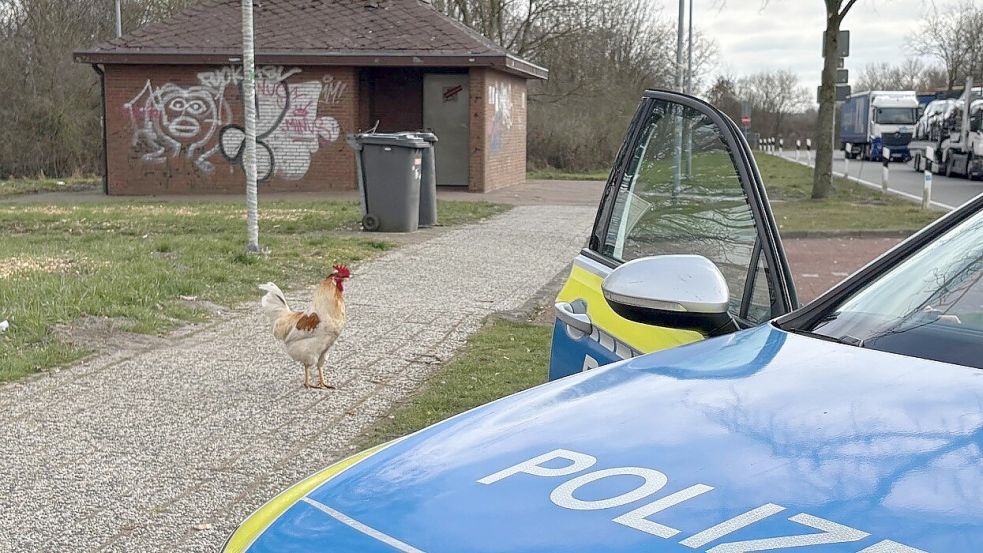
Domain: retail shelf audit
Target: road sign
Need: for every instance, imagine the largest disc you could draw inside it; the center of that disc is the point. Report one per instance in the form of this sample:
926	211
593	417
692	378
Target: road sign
842	44
746	120
842	76
842	91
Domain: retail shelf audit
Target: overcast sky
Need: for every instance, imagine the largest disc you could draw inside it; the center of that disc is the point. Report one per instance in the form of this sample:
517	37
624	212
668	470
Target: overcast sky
787	34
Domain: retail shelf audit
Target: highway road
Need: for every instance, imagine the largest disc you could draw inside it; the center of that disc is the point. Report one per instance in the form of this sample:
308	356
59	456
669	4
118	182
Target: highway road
947	193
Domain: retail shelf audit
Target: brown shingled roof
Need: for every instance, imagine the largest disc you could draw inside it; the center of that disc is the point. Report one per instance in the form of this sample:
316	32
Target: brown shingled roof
313	32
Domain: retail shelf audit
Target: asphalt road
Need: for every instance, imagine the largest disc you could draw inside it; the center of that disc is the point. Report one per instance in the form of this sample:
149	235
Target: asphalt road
947	193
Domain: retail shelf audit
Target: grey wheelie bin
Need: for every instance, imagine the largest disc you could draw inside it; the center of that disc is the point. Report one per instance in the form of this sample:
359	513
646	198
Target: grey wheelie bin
428	182
389	170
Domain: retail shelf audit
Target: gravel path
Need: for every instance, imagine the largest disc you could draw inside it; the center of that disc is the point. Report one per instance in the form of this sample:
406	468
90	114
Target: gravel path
169	448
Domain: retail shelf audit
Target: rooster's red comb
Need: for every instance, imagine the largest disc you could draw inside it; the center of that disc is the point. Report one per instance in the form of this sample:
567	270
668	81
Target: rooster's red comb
342	271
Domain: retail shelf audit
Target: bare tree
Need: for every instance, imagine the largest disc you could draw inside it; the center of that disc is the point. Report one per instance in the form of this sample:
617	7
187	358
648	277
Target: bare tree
724	95
773	96
51	117
525	27
954	36
822	178
607	53
910	74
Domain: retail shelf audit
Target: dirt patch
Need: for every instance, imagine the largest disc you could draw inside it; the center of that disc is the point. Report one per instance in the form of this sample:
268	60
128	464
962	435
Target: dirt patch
105	334
212	309
11	266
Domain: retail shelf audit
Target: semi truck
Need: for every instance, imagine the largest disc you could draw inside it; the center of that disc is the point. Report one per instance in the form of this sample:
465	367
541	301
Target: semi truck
875	119
949	136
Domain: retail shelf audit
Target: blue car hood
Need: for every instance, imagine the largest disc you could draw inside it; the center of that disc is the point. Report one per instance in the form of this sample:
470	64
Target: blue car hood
764	440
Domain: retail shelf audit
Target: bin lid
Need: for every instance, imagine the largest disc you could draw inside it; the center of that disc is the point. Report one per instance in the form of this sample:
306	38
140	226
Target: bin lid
403	140
423	135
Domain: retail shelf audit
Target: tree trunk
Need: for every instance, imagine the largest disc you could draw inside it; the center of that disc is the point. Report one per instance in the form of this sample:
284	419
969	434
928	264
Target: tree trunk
822	178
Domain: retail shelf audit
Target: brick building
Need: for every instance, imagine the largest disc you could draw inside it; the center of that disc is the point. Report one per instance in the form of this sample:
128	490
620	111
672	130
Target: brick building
325	68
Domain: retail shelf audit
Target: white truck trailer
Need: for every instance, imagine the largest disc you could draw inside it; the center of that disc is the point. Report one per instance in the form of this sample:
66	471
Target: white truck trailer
949	137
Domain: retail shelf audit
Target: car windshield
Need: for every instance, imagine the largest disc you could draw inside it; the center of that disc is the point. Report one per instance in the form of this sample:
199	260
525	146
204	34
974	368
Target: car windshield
928	306
896	116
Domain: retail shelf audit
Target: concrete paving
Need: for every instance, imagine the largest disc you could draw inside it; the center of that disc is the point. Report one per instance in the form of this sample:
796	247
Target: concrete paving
168	448
819	263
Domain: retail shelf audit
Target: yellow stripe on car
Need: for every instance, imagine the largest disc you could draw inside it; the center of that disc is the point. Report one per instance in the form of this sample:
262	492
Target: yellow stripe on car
258	522
586	285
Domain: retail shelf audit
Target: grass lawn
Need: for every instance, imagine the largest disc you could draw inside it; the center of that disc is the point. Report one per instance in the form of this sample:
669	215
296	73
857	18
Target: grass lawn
150	265
17	187
559	174
852	207
502	358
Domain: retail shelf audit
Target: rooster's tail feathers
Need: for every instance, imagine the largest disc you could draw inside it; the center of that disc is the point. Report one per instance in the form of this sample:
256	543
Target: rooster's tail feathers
274	302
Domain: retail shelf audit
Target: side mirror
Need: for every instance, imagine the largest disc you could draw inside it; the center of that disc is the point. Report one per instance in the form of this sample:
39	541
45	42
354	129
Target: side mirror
676	291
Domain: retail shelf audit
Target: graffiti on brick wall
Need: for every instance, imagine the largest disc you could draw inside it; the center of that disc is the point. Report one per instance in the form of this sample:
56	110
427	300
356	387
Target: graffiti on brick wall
500	98
196	122
171	121
288	128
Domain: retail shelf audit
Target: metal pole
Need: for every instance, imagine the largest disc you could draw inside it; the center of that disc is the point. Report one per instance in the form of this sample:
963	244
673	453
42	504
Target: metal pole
249	107
676	187
119	21
679	45
689	90
689	53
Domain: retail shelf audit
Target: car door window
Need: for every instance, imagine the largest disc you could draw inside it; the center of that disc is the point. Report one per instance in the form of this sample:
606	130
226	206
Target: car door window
681	193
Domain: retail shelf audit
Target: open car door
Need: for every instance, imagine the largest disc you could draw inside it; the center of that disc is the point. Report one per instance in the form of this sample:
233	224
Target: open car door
684	182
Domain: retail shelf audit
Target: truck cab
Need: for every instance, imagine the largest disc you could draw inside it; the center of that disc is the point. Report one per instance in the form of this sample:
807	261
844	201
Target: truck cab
873	120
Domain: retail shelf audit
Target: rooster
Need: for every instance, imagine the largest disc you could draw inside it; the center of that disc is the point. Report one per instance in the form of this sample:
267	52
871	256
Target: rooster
307	335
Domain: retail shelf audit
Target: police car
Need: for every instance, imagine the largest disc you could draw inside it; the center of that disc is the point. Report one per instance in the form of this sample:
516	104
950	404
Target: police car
853	424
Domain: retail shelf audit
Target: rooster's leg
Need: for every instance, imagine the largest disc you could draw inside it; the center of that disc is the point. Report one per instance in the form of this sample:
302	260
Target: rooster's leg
320	375
307	377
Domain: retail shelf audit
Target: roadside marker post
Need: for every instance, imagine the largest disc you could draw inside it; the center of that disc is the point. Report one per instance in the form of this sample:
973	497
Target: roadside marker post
846	157
885	171
927	188
781	145
798	146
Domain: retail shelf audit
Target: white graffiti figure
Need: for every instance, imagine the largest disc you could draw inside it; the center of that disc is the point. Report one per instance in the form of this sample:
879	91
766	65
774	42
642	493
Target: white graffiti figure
171	120
288	129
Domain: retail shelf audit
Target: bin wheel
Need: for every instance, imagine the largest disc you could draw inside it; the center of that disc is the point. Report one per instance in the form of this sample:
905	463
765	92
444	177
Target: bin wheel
370	222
